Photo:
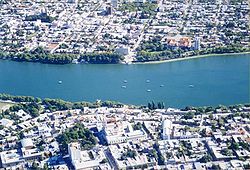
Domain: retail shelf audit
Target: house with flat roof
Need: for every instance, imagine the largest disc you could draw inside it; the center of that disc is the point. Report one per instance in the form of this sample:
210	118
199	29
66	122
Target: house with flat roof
81	159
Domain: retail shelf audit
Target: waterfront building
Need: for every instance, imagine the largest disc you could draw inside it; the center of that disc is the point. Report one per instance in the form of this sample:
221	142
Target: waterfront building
123	50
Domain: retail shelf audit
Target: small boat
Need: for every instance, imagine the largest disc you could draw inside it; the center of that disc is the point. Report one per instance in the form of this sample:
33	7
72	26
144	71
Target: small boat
162	85
148	90
147	81
124	87
125	81
60	82
191	86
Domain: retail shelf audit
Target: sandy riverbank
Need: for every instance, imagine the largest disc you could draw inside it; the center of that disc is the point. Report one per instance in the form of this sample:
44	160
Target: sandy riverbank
188	58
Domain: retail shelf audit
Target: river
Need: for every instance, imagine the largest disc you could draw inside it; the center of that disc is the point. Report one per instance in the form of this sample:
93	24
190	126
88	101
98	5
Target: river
196	82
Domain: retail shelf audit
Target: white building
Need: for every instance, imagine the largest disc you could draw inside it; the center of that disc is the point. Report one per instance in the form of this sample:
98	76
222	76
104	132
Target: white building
166	129
139	160
6	122
123	50
80	159
120	132
27	143
197	43
10	158
16	158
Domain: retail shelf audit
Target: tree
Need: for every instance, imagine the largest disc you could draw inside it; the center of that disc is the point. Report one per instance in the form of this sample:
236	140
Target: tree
234	145
160	105
226	152
104	161
153	105
206	158
76	133
35	166
129	153
21	135
149	106
215	167
210	116
247	166
153	153
188	115
45	167
161	160
137	126
203	132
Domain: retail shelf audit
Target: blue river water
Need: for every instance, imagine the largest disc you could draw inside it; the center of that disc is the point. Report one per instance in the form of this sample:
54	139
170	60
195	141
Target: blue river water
195	82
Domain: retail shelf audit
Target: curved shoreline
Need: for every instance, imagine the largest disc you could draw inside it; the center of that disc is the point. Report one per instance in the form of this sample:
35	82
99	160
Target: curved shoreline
192	57
146	62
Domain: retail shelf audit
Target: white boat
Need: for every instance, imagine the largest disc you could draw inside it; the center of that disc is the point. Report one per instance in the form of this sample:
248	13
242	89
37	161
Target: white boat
125	81
124	87
148	90
148	81
60	82
191	85
162	85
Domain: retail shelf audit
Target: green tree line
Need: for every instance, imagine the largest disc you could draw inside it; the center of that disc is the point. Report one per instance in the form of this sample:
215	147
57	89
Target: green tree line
42	56
58	104
101	58
158	52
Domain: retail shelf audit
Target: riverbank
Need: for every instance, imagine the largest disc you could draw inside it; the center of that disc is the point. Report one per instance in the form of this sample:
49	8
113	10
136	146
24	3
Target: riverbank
102	58
42	56
189	58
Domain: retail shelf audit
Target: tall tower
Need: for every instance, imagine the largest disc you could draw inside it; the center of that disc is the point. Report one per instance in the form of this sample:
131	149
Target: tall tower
197	43
166	129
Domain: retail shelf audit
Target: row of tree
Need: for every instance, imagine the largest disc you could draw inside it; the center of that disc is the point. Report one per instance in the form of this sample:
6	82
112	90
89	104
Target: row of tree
33	109
41	56
45	58
57	104
101	58
145	8
152	105
158	52
19	98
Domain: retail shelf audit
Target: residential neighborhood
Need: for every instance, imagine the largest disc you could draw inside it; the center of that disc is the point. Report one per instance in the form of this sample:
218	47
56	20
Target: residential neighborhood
138	30
187	115
124	137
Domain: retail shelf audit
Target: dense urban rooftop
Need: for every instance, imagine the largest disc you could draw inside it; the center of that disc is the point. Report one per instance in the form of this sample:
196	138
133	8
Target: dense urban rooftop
118	31
56	134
